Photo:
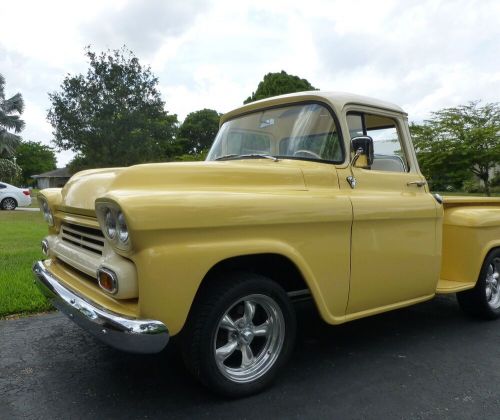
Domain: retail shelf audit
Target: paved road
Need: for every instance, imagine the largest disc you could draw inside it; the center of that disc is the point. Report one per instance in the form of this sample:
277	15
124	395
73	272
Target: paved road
428	361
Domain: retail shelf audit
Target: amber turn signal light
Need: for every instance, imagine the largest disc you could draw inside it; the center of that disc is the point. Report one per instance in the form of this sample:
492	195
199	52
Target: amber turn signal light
107	280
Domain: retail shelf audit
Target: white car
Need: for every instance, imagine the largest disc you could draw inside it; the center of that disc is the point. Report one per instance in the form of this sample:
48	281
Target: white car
12	197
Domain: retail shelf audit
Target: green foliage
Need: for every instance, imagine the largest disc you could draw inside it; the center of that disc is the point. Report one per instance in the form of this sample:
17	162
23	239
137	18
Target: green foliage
198	131
197	157
113	115
9	171
275	84
34	158
495	181
20	236
471	186
457	143
10	111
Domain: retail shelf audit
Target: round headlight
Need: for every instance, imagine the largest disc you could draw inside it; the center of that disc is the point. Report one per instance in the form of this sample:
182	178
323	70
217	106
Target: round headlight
122	228
110	224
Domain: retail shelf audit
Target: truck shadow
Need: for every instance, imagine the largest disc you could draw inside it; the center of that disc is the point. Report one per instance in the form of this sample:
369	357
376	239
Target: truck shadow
404	346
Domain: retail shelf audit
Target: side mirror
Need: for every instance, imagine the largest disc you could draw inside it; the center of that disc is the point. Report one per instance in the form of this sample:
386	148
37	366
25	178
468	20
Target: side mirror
363	147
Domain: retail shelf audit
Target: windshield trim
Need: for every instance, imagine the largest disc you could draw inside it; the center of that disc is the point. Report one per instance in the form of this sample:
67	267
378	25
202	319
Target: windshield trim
306	102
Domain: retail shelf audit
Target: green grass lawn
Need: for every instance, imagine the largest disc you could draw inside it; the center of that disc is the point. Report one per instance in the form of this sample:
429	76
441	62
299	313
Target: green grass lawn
20	236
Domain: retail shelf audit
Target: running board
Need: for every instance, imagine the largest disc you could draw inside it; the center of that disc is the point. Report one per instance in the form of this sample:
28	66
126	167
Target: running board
299	295
449	286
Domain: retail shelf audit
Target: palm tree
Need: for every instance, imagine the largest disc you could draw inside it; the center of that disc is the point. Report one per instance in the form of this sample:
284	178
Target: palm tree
10	111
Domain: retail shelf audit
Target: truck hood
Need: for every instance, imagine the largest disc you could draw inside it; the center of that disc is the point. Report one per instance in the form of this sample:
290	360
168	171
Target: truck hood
85	187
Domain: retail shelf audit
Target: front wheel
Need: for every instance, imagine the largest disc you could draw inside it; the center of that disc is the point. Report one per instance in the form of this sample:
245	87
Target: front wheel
484	300
240	332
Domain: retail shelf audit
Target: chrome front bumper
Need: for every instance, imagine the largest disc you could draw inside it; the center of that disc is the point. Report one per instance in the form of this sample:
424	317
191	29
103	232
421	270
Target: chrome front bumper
123	333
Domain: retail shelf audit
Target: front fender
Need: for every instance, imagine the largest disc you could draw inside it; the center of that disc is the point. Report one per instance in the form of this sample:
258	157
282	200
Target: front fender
171	275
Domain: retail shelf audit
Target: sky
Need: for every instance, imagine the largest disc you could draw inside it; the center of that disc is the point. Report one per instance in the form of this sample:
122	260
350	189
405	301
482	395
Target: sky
422	55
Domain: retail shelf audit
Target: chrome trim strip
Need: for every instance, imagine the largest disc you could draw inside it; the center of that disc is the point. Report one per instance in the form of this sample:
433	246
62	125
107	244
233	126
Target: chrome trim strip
121	332
297	293
45	247
438	198
419	183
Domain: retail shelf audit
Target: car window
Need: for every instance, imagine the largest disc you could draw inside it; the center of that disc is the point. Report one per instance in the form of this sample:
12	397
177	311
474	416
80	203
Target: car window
387	146
2	186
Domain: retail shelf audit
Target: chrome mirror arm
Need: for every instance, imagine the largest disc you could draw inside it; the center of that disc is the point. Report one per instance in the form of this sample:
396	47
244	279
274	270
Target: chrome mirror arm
351	178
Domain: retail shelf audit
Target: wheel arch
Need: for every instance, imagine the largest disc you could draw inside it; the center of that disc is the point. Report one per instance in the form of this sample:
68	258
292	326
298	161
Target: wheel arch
487	250
276	266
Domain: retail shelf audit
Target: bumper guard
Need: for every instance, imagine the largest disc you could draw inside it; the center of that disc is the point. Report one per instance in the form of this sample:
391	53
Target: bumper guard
124	333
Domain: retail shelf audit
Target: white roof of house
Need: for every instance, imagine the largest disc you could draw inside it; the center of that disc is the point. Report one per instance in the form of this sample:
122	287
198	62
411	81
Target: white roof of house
56	173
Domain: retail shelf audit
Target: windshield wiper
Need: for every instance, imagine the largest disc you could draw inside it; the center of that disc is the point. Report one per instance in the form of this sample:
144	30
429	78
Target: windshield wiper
249	156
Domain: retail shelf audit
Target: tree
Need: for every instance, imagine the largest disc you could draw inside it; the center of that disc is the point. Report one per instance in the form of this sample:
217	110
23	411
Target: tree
443	168
34	158
278	84
113	115
10	111
198	131
460	141
10	172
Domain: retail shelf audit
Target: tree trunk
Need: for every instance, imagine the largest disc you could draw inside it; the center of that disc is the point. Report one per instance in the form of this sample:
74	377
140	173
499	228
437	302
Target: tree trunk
485	176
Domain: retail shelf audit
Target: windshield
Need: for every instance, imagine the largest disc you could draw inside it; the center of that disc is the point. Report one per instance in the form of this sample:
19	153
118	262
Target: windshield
306	131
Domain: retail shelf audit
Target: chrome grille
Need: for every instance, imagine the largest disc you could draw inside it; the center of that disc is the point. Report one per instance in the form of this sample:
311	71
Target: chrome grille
84	237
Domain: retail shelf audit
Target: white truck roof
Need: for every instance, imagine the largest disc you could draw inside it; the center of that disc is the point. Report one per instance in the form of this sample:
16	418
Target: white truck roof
337	99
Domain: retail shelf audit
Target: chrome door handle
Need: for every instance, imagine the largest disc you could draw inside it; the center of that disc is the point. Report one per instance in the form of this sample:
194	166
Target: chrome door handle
417	183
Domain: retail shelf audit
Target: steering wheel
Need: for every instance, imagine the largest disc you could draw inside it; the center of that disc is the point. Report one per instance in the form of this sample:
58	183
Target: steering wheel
307	152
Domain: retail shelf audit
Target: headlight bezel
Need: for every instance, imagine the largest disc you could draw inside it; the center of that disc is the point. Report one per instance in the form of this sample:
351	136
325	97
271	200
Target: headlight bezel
46	210
113	223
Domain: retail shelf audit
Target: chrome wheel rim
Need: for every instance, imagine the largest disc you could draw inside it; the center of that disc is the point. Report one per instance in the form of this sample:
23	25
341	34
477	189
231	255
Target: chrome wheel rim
492	284
9	204
249	338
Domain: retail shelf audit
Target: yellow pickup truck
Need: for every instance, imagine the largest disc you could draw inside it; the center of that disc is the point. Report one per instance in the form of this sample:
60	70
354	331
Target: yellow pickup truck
313	194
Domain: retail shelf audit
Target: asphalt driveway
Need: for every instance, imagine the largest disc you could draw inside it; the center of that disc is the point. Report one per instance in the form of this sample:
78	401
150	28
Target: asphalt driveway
427	361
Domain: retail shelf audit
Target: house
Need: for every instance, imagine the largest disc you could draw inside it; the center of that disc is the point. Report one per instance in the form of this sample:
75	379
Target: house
52	179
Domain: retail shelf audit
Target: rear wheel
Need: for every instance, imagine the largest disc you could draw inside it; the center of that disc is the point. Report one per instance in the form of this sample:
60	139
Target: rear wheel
484	300
8	204
240	332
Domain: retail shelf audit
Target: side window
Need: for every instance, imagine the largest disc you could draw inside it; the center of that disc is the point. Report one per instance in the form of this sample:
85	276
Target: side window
2	186
389	152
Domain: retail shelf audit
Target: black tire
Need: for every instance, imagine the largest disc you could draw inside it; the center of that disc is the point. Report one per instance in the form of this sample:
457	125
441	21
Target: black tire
483	301
204	335
8	203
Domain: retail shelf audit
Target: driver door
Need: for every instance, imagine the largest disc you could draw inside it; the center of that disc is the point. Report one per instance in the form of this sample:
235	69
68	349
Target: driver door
395	252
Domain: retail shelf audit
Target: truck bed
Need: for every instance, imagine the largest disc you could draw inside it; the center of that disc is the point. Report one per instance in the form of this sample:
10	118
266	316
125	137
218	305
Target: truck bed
471	229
